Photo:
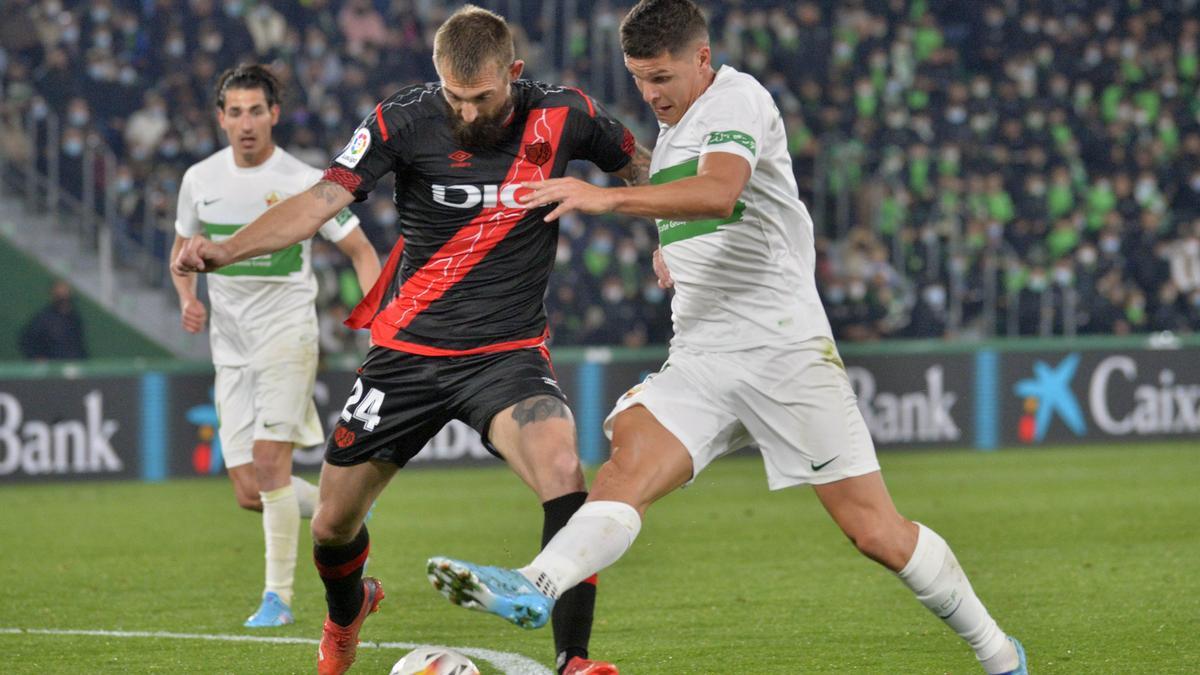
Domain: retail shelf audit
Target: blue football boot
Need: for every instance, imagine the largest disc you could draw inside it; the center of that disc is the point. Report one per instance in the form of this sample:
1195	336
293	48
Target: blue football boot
503	592
272	612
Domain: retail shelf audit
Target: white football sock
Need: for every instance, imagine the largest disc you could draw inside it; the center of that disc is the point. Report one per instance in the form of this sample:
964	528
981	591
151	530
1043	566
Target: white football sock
596	536
933	573
306	495
281	530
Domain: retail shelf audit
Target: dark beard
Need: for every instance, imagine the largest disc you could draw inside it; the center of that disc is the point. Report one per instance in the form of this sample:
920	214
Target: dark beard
484	132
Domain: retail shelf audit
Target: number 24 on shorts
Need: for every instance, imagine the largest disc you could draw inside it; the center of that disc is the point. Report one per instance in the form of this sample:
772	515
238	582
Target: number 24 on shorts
367	410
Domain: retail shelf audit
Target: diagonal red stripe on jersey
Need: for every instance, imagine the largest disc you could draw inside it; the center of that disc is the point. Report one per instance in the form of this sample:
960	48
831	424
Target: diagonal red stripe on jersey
475	240
379	118
368	307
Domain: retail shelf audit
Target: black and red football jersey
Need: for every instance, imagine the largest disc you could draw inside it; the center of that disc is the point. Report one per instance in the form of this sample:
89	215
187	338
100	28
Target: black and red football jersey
469	273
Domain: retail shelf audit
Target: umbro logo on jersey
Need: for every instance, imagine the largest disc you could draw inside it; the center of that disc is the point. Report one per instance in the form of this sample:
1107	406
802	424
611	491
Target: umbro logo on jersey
460	158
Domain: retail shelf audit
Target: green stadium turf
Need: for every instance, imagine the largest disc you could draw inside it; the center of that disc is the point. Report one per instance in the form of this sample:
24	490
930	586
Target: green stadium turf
1088	554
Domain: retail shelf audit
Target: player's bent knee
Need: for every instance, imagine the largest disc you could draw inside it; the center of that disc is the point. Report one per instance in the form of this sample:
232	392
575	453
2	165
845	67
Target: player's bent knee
249	502
881	542
332	532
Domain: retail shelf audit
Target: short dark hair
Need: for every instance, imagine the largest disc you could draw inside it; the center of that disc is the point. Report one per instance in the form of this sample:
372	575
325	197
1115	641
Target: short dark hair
655	26
470	39
249	76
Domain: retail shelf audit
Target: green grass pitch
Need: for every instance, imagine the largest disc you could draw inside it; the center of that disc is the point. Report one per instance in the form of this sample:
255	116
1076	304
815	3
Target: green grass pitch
1088	554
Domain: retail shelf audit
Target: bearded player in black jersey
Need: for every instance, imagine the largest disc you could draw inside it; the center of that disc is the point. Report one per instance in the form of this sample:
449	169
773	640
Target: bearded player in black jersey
457	318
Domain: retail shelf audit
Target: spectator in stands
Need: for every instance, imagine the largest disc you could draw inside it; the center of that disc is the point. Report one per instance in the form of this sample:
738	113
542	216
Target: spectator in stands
56	331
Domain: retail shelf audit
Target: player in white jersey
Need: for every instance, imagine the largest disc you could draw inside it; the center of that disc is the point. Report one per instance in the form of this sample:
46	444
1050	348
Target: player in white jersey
264	323
752	359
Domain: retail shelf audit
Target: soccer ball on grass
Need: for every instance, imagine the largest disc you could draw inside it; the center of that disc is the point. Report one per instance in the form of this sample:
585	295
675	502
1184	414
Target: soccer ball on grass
434	661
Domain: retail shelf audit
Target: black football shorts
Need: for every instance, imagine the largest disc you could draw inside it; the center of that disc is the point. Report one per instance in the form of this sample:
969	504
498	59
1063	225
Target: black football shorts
401	400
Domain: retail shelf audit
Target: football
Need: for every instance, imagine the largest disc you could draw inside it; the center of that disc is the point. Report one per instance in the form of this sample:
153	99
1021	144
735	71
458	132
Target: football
434	661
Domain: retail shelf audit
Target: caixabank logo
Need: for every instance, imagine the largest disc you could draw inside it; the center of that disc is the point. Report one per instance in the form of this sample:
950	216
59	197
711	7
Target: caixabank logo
1107	395
1046	396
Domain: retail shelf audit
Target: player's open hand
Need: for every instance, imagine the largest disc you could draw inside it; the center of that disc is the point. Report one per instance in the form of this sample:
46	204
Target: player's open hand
661	271
193	315
571	194
199	255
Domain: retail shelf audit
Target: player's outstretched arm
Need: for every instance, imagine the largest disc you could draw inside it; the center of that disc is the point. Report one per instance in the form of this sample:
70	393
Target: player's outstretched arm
294	219
712	193
362	255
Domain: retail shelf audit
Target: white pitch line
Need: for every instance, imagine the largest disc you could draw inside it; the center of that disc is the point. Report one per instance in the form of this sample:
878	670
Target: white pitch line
511	664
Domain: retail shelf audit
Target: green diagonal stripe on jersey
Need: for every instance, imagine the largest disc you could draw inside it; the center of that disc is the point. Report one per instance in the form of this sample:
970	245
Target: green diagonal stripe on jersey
671	231
741	138
277	264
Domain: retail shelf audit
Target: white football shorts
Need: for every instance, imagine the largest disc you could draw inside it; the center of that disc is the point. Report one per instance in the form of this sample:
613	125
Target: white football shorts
271	399
794	402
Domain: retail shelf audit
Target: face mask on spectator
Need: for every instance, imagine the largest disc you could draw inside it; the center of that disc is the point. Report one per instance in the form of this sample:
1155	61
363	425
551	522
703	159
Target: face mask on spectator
1194	183
78	118
124	184
73	148
102	72
858	290
70	35
52	7
613	293
39	109
1110	245
652	294
315	48
1087	256
1104	22
169	149
1196	300
627	256
100	14
203	147
212	42
836	295
1063	276
601	245
365	109
956	115
1037	283
233	8
128	76
331	118
176	48
102	39
935	296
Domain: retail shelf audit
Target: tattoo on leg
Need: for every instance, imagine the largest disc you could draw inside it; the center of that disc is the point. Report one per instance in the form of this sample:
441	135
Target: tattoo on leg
538	408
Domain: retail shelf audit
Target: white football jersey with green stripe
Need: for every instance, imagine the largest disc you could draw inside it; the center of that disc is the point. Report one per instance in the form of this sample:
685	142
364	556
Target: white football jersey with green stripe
253	300
747	280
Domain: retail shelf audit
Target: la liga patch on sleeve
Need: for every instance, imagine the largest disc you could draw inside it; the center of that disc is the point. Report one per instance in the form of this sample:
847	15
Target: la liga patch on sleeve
355	149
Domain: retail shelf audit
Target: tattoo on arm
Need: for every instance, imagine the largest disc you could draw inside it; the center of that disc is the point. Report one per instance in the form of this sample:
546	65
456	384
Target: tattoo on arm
327	191
539	408
639	167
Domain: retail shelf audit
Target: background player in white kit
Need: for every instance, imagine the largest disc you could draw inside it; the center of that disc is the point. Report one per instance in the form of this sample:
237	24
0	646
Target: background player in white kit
752	359
264	323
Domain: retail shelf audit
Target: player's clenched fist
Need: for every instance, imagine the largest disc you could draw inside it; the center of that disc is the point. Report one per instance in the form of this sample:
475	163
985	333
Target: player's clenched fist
193	315
199	255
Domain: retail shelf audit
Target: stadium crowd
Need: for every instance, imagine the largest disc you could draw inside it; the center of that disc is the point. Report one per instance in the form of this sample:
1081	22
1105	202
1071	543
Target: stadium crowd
993	167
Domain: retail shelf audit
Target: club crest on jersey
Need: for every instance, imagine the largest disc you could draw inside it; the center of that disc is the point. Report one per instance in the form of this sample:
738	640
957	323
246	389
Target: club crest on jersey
272	198
355	149
537	153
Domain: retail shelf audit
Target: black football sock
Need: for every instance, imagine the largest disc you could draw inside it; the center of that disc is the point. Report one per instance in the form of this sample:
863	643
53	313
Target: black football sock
341	569
572	616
